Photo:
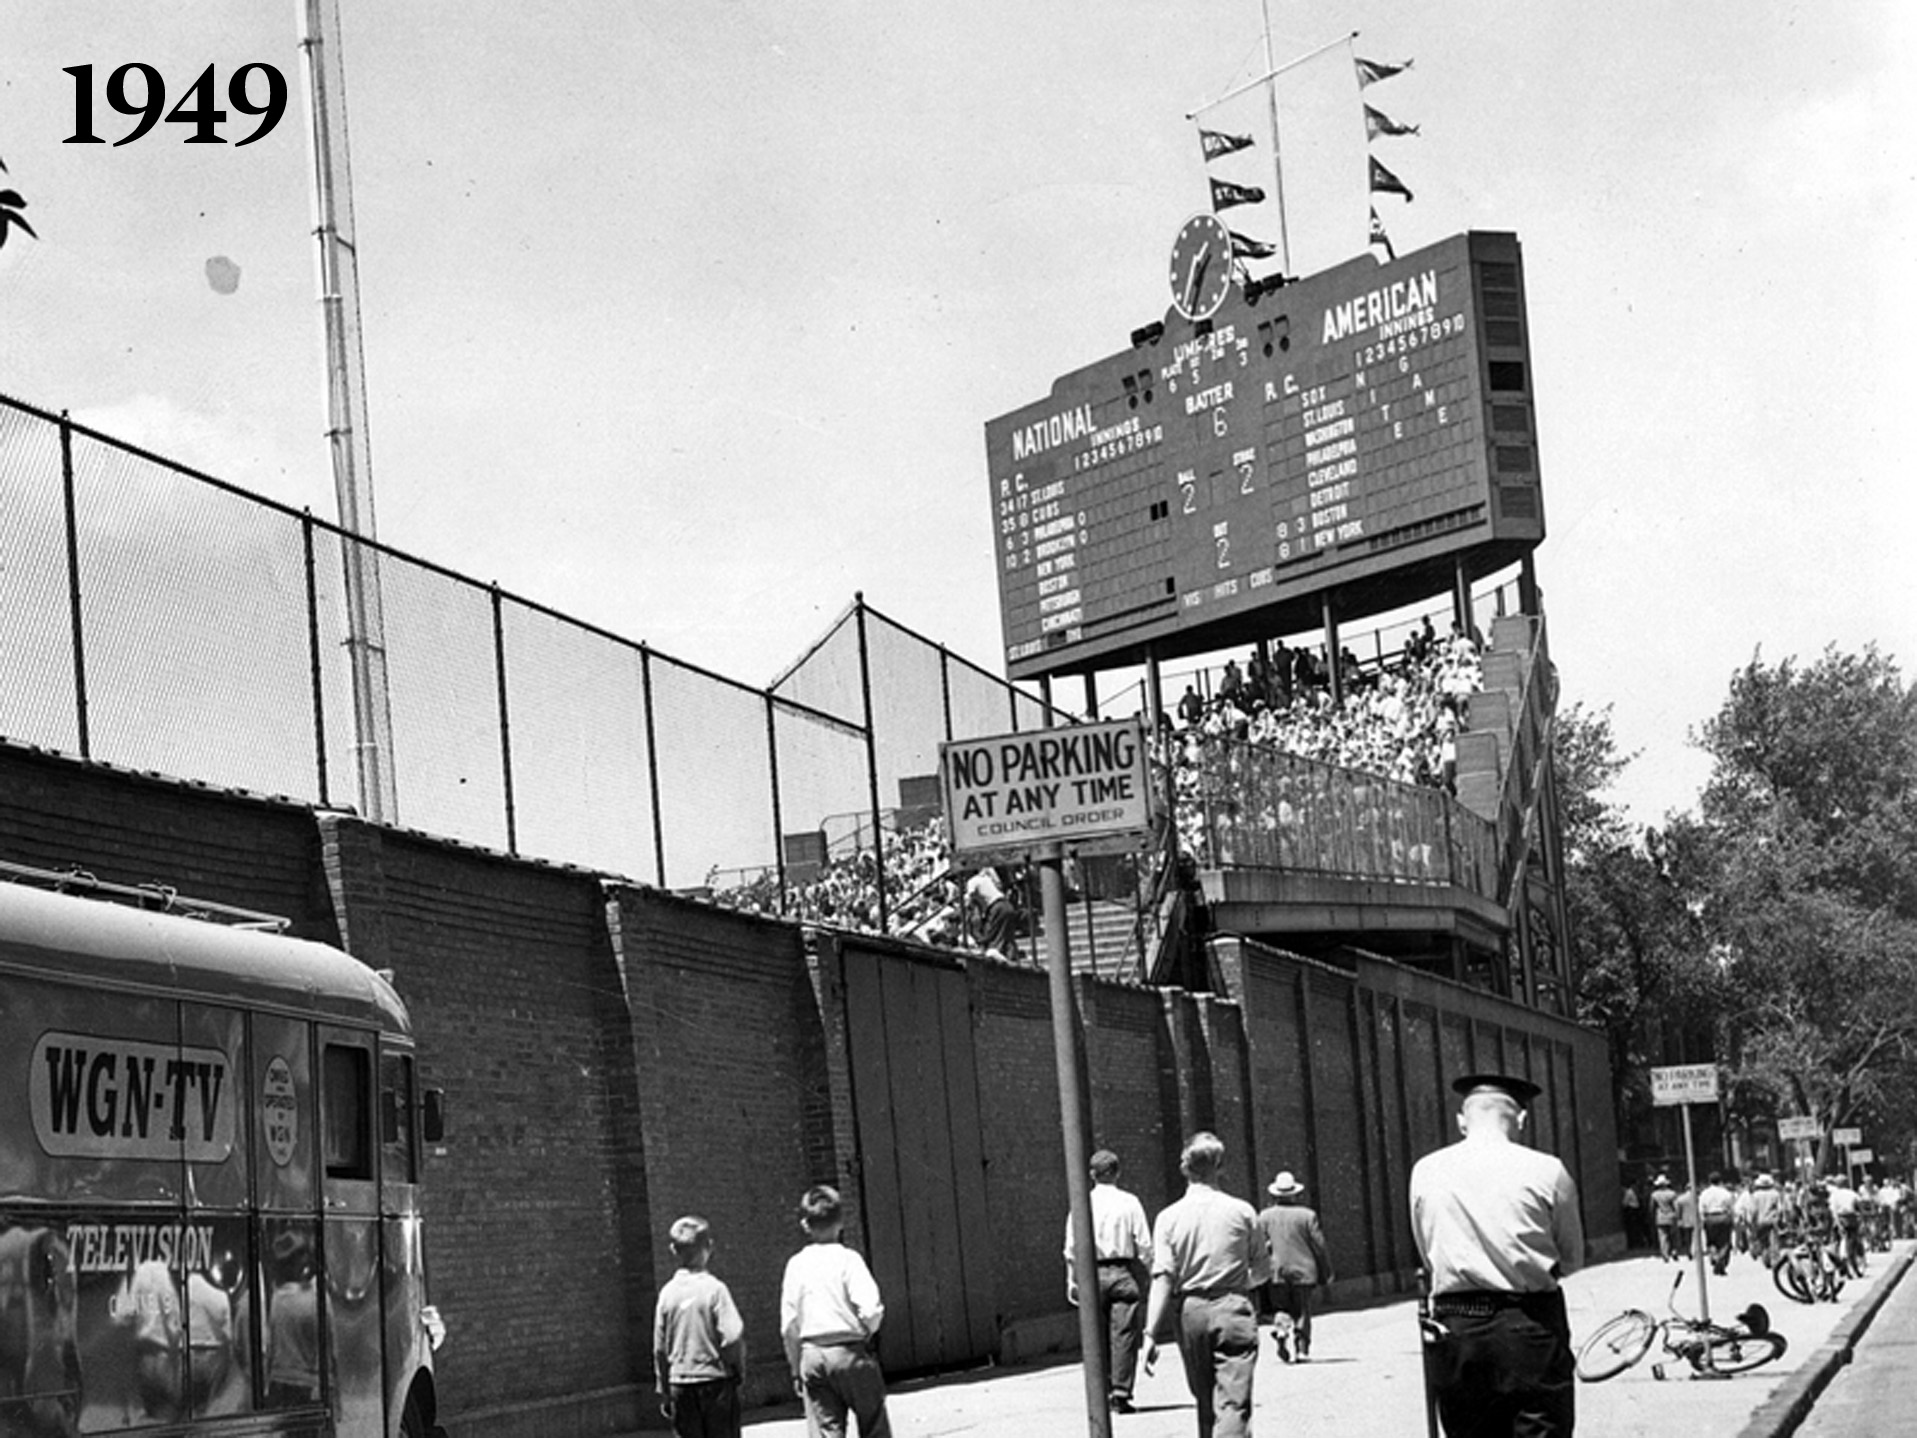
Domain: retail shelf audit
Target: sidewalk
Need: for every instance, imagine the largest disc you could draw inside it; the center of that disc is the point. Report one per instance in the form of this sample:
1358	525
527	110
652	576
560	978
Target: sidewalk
1365	1371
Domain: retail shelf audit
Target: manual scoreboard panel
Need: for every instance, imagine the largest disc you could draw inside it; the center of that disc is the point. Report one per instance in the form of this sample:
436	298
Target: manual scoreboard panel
1349	425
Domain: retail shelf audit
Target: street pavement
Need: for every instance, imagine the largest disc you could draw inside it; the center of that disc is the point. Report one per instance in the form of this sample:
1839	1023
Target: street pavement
1365	1372
1875	1394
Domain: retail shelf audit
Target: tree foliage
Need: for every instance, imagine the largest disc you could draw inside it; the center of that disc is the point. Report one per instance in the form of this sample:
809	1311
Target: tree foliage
1806	883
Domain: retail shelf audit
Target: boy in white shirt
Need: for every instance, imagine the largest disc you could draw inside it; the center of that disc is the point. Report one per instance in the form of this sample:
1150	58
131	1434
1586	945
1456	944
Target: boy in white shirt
829	1313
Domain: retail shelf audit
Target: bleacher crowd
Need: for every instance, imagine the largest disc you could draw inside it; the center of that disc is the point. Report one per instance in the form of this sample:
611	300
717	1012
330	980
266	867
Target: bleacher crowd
1396	721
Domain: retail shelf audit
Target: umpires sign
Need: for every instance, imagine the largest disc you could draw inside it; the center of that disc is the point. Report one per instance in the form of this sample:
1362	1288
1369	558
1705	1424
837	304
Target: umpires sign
1087	786
1684	1083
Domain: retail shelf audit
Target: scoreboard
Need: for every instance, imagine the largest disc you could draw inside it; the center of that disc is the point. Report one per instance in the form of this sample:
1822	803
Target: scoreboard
1366	428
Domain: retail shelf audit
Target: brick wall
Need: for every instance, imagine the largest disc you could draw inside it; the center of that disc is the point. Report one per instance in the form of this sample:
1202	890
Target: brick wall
614	1057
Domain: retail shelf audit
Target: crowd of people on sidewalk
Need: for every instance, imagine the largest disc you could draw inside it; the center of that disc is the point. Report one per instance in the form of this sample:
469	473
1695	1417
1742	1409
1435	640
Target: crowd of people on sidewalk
1497	1227
1756	1215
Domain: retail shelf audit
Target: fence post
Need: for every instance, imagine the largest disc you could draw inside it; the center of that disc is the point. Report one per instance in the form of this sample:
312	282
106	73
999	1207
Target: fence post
872	763
945	688
505	720
313	656
778	820
652	766
73	589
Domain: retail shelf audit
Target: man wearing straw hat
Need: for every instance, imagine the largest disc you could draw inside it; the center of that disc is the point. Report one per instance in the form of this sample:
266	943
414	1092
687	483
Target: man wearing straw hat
1497	1226
1299	1261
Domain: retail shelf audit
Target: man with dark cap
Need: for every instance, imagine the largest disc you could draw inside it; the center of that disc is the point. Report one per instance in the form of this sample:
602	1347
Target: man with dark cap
1497	1227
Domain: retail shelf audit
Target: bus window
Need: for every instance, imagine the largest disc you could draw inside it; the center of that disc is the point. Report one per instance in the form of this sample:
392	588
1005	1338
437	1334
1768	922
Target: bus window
283	1112
346	1111
399	1159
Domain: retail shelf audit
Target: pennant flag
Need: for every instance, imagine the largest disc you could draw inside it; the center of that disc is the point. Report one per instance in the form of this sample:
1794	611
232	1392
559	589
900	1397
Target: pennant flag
1243	247
1224	195
1372	71
1378	123
1379	237
1383	182
1217	142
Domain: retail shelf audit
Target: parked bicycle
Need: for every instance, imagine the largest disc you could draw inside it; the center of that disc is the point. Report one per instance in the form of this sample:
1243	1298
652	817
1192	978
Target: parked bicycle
1810	1268
1736	1348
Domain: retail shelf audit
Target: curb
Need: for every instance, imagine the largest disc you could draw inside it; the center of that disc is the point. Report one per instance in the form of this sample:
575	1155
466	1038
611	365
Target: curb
1785	1409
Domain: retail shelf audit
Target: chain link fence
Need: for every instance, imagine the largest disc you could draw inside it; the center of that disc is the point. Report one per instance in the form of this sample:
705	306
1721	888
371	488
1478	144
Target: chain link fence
159	619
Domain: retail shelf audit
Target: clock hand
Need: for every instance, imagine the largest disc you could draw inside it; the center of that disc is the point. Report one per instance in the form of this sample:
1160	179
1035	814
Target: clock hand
1198	268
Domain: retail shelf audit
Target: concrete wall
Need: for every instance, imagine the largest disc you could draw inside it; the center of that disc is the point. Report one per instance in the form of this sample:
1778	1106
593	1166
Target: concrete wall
614	1057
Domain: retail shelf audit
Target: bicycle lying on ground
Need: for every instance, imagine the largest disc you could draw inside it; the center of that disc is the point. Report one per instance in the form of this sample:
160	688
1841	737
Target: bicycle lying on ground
1747	1344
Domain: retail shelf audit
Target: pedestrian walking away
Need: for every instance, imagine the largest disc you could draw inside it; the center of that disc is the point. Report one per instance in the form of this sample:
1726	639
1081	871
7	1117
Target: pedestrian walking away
1299	1262
1206	1252
1122	1241
1497	1228
698	1340
829	1314
1716	1209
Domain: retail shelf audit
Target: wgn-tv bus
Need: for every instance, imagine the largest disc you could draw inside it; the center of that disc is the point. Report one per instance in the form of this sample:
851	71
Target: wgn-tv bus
209	1165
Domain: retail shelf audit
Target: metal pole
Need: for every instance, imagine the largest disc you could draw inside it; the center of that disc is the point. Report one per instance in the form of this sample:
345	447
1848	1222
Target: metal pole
872	764
778	820
505	721
1091	1333
652	765
1709	1369
73	588
1277	158
313	655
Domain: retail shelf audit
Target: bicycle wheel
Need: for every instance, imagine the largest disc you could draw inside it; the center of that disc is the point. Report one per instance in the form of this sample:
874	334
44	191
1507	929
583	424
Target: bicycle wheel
1741	1352
1616	1345
1791	1280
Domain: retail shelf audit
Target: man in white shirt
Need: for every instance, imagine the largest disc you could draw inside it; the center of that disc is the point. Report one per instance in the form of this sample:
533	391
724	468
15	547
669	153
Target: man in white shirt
1715	1211
1207	1251
1122	1241
1497	1227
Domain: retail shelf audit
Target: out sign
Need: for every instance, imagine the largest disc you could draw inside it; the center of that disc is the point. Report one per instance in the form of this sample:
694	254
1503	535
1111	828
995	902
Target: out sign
1684	1083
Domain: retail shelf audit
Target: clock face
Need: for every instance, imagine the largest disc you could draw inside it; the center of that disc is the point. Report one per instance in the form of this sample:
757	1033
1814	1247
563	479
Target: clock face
1201	267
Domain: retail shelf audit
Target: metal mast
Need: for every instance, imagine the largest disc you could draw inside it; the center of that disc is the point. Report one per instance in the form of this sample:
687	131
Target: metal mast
346	406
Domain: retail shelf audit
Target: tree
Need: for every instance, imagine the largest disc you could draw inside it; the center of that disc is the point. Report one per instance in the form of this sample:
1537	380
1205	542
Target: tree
1807	885
1641	975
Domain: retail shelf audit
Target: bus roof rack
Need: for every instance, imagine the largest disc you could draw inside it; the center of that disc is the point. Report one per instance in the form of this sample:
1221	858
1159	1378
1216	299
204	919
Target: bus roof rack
154	898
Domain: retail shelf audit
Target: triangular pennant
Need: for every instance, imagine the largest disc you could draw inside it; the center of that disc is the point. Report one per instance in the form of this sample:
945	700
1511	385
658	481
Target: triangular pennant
1224	195
1218	142
1383	182
1378	123
1243	247
1370	72
1379	237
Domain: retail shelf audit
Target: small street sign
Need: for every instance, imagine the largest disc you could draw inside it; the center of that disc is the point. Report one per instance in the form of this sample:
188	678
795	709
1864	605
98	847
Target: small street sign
1684	1083
1802	1127
1863	1155
1847	1137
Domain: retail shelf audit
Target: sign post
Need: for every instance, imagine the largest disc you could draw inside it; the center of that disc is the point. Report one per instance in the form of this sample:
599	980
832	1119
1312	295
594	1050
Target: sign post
1683	1085
1802	1130
1849	1138
1025	797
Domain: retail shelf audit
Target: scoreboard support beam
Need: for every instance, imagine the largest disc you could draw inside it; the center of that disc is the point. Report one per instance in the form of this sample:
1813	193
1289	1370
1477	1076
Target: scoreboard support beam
1091	694
1461	599
1329	609
1528	601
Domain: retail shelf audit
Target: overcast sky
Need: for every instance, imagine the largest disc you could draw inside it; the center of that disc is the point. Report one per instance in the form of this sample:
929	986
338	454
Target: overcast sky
686	318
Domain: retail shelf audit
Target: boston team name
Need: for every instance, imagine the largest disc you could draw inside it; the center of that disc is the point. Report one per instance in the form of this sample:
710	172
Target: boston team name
1052	431
1377	307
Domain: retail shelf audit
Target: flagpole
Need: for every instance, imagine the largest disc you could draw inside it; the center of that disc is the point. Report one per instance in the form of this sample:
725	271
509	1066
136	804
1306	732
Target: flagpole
1277	149
1271	74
